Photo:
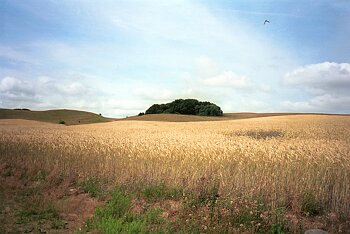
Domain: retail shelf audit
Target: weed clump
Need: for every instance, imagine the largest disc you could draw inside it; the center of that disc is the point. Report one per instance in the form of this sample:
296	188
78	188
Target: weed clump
38	213
92	186
310	206
160	191
279	225
116	217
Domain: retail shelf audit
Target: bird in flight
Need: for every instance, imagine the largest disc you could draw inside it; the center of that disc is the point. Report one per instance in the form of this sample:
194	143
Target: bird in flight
266	21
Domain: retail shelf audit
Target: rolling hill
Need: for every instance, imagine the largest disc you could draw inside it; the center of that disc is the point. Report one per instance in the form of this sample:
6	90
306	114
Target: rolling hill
75	117
196	118
70	117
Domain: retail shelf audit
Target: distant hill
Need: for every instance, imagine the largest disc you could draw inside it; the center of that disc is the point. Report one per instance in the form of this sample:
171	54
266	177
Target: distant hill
194	118
69	117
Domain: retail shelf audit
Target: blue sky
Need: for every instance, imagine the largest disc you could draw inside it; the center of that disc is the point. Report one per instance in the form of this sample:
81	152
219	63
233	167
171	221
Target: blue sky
119	57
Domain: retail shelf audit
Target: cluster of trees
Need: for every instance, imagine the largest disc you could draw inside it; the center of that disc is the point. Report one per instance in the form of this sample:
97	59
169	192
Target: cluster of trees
186	107
25	109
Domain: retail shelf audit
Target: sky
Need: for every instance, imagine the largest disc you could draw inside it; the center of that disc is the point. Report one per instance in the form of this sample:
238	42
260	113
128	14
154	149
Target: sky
119	57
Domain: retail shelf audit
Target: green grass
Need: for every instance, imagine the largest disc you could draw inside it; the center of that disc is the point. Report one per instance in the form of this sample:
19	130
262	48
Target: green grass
279	226
210	215
8	172
62	122
40	215
310	206
40	176
92	186
68	117
36	213
160	191
115	217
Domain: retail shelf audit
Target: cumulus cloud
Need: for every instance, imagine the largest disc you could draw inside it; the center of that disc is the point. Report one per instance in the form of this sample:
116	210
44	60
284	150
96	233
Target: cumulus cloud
15	90
148	42
328	84
211	75
41	90
324	103
50	93
321	78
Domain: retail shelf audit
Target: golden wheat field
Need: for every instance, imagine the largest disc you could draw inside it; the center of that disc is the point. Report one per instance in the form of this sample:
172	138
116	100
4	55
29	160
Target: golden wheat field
277	159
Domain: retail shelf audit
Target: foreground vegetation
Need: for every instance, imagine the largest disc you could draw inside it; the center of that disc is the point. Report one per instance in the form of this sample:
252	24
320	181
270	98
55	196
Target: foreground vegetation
42	202
275	174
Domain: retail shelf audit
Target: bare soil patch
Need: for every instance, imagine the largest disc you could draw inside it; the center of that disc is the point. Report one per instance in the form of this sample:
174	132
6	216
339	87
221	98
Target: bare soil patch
41	203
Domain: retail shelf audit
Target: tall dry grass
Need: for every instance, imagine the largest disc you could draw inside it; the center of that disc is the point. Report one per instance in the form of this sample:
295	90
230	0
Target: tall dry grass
275	159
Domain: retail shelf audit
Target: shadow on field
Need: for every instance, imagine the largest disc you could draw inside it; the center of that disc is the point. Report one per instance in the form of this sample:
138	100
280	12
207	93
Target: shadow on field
263	135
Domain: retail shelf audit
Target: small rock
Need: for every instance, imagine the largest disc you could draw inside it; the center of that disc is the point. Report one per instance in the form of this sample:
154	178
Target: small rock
73	191
28	230
315	231
42	230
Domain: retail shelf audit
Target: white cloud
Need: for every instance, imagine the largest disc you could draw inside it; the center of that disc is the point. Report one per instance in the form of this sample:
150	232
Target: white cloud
206	67
126	43
174	32
209	74
324	103
153	93
49	93
328	83
15	89
211	77
229	79
15	55
321	78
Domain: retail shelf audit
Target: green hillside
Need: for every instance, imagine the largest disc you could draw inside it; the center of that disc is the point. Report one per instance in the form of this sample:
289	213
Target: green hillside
70	117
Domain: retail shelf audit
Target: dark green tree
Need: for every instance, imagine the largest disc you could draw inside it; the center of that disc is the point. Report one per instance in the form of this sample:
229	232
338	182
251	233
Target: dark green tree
209	110
186	107
157	109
